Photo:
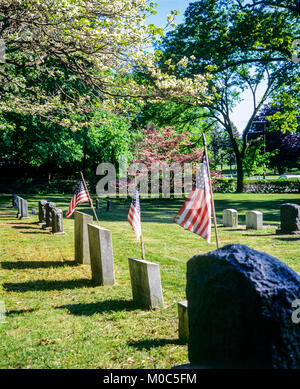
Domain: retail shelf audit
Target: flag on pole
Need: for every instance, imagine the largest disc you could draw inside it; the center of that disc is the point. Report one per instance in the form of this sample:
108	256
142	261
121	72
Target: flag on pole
80	196
195	214
134	215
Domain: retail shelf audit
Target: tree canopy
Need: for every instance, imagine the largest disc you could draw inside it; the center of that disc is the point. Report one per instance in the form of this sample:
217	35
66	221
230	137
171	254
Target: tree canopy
245	45
75	55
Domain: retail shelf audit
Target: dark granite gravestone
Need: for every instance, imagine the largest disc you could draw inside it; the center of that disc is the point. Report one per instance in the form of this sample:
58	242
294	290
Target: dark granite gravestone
240	310
57	221
24	209
42	211
19	206
289	219
108	205
49	206
14	201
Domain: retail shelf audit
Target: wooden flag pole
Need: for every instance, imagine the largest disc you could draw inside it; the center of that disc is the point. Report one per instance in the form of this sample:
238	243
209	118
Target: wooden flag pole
142	247
210	187
90	200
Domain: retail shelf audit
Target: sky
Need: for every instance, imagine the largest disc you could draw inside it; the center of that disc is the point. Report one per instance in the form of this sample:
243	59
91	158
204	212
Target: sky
241	112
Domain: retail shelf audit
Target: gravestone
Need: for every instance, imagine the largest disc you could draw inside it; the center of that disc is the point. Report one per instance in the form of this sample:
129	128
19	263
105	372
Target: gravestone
14	201
49	206
289	219
24	209
240	310
254	220
97	204
101	255
146	283
19	206
42	211
81	240
108	205
34	212
230	218
57	221
183	321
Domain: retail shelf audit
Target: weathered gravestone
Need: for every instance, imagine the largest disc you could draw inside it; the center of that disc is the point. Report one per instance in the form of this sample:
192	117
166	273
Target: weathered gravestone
101	255
254	220
289	219
81	240
240	310
19	206
49	206
42	211
14	201
24	209
57	221
183	321
146	283
230	218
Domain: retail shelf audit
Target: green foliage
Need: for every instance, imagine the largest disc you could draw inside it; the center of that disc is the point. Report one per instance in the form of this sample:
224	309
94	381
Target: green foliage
181	117
243	45
30	141
257	158
228	185
273	186
108	137
224	185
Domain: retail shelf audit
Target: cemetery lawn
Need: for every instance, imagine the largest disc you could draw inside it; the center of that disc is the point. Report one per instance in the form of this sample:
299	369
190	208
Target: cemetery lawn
57	318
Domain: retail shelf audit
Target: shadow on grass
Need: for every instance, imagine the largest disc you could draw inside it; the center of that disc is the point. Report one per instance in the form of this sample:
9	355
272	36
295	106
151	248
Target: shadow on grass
36	264
43	285
19	312
270	234
291	239
25	227
104	306
148	344
47	232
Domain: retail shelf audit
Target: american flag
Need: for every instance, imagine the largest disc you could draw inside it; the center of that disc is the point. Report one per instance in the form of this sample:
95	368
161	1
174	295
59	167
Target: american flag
195	214
80	196
134	215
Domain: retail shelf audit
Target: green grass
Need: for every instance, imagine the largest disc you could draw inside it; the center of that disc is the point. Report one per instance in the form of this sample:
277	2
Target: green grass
57	318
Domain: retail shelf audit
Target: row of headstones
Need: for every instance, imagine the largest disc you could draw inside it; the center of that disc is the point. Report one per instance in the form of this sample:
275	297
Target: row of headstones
50	217
93	245
289	219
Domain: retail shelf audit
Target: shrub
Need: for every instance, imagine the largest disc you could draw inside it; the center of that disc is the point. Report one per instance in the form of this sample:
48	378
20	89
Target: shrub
273	186
228	185
224	185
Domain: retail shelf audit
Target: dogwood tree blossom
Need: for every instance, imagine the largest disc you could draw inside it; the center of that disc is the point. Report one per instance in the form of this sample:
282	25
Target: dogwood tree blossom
75	54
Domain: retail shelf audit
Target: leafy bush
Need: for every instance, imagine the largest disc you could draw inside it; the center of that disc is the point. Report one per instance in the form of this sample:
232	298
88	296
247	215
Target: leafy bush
273	186
228	185
224	185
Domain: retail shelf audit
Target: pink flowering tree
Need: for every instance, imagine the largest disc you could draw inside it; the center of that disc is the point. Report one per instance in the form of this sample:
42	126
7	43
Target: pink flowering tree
165	147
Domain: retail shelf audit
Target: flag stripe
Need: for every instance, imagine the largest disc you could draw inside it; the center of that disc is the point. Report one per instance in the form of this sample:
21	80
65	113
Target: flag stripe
80	196
134	215
195	214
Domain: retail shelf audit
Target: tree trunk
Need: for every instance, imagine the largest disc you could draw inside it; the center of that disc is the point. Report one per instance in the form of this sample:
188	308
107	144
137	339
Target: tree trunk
240	174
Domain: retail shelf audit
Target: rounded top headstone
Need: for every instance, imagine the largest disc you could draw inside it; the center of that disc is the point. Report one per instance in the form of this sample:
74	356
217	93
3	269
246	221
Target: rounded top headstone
240	310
